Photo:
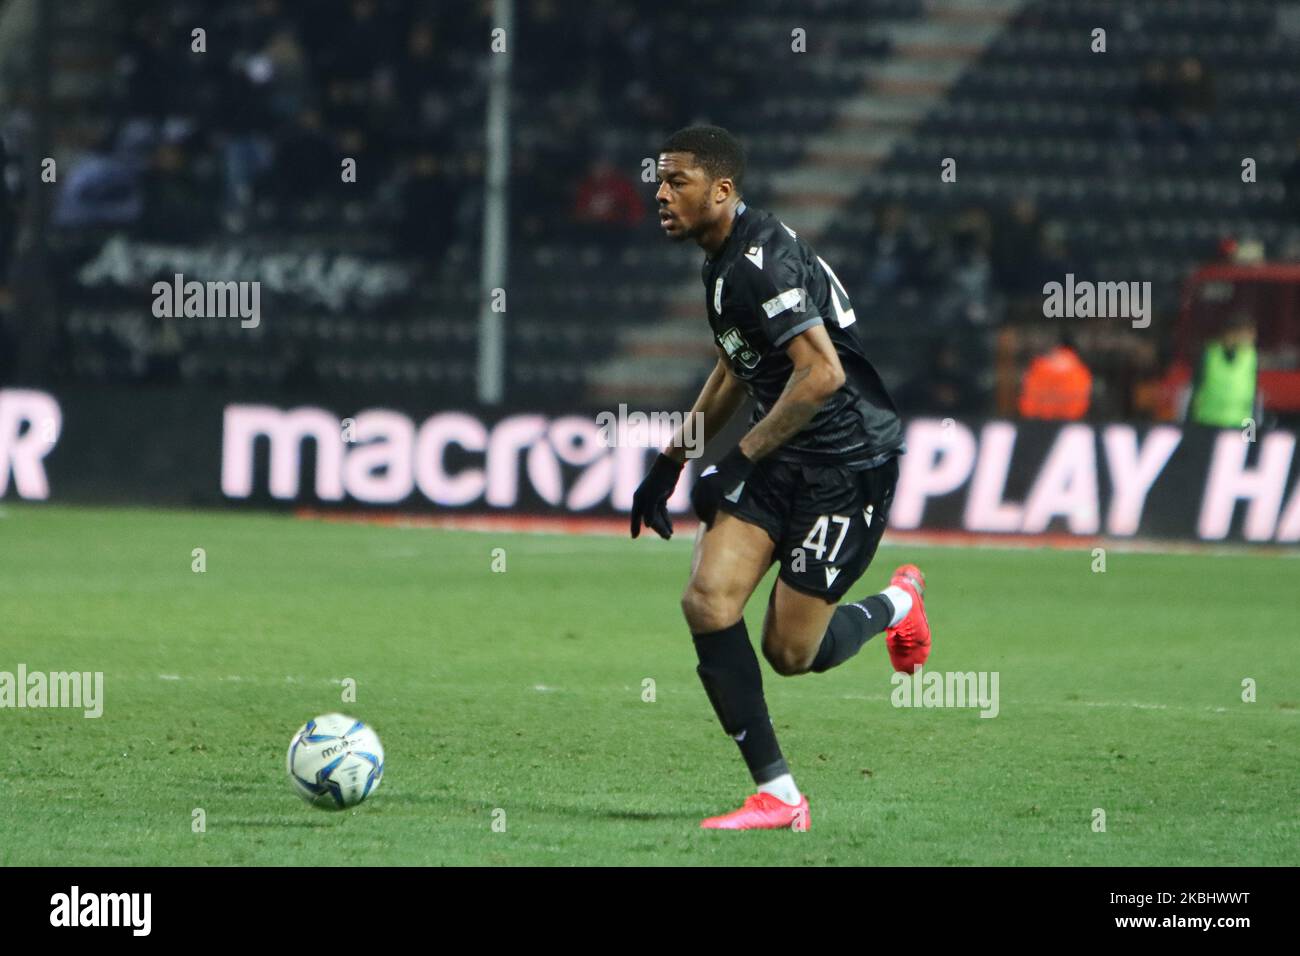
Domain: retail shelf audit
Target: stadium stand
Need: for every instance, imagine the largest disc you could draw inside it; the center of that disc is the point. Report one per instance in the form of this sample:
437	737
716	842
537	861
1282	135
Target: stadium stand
1121	164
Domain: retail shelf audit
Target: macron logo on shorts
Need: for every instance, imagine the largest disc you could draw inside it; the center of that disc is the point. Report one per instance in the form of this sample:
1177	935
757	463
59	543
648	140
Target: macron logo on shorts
831	575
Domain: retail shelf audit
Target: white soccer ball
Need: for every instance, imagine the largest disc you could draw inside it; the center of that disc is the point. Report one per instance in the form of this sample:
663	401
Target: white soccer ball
335	762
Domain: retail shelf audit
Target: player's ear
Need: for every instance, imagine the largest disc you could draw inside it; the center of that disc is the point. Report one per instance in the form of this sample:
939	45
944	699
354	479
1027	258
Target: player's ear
722	189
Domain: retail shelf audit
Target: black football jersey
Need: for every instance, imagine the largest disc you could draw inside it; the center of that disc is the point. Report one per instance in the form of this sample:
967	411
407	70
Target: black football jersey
764	287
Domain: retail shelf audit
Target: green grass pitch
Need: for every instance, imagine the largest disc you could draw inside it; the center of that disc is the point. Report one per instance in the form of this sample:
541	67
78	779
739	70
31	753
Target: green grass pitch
521	692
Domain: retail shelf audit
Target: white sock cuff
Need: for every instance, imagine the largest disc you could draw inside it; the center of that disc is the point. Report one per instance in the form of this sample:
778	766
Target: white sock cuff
783	789
902	602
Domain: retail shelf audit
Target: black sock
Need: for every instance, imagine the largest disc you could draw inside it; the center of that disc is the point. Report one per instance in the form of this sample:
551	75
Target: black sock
729	671
851	626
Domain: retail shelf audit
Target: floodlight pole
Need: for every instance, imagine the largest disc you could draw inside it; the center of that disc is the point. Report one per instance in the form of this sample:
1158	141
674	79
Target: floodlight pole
491	333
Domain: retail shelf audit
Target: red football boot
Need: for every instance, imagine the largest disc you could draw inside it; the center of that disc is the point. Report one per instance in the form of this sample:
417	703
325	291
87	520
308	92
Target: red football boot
909	643
762	811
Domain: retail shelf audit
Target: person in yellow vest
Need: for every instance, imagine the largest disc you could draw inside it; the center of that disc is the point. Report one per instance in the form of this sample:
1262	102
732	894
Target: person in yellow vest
1223	395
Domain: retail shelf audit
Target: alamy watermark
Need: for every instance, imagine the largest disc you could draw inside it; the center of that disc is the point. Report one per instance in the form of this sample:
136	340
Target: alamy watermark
221	300
946	689
641	429
75	908
75	689
1098	300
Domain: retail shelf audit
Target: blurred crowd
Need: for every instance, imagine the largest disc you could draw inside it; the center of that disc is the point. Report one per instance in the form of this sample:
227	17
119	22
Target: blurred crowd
249	124
234	136
246	135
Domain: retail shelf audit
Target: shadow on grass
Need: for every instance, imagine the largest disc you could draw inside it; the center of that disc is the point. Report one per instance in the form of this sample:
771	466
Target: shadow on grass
583	811
321	821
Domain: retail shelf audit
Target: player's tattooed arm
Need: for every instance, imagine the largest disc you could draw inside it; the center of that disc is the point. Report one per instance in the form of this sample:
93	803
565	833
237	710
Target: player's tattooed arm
816	377
721	395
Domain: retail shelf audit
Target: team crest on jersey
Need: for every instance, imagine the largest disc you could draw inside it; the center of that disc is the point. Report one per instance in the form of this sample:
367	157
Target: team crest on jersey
737	349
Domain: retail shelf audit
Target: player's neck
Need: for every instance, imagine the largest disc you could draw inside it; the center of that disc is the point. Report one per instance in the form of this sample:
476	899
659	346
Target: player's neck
713	240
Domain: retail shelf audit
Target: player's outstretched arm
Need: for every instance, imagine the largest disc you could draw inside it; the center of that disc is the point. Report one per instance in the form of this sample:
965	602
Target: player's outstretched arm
717	402
816	377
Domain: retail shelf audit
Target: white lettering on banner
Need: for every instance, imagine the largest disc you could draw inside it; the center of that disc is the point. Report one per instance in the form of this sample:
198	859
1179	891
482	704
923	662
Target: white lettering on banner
505	442
1288	529
1066	484
286	431
22	452
388	458
453	459
575	444
331	279
941	460
1132	473
378	469
1230	480
430	449
985	510
938	462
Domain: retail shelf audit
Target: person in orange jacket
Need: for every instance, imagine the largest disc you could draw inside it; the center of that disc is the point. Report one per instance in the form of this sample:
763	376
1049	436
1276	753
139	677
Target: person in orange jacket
1057	386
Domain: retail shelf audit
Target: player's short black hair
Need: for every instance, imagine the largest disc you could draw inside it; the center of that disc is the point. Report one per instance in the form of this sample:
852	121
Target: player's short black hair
715	150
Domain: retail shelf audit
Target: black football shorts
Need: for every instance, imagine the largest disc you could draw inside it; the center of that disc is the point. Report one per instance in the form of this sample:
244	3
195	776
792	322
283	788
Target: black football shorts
826	521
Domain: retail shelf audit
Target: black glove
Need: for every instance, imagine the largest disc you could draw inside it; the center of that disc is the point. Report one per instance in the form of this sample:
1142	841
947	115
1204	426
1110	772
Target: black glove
650	503
726	482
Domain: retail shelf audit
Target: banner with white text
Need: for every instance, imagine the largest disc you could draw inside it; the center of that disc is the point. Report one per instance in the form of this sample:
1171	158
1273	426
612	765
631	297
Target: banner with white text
180	447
